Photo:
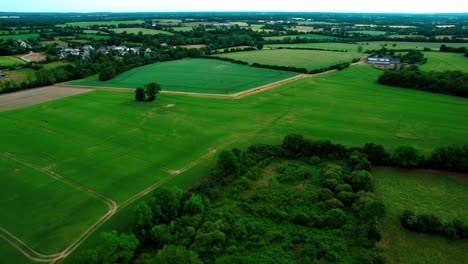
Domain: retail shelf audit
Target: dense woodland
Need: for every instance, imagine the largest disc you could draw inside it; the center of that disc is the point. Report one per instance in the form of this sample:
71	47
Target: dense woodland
299	202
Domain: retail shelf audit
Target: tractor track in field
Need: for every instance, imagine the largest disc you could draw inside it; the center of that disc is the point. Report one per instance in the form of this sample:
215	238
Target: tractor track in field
30	252
34	255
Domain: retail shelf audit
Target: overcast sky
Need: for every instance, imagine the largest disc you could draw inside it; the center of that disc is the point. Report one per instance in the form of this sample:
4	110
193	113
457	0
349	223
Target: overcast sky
388	6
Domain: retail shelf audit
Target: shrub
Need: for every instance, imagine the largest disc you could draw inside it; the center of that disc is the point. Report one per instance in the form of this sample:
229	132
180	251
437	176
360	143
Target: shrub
326	194
335	218
343	187
406	157
347	198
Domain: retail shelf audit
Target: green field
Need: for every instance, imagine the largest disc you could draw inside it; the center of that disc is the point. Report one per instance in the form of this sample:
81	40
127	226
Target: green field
195	75
445	61
21	36
369	32
118	147
182	29
102	23
8	61
372	45
145	31
309	59
422	192
306	36
91	36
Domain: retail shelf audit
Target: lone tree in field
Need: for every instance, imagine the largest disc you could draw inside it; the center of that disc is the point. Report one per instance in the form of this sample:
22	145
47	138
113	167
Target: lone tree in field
151	90
148	93
139	94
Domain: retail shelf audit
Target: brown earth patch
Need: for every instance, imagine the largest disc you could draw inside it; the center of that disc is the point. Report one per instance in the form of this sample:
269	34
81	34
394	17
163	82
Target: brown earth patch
35	96
170	105
195	46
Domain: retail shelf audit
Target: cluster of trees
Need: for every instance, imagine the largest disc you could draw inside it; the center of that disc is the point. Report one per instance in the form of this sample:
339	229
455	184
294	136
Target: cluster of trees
413	57
445	48
432	224
147	93
448	82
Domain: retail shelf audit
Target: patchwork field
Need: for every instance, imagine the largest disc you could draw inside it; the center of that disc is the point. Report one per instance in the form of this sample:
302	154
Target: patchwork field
102	23
309	59
372	45
421	192
306	36
445	61
8	61
369	32
194	75
117	147
145	31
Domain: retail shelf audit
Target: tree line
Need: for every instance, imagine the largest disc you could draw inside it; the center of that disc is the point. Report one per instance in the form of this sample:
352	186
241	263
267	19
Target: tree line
447	82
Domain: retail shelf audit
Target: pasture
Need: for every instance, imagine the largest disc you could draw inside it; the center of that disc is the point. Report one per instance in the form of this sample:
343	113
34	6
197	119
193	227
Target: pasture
421	192
9	61
145	31
194	75
20	36
372	45
90	36
445	61
306	36
182	29
309	59
102	23
118	147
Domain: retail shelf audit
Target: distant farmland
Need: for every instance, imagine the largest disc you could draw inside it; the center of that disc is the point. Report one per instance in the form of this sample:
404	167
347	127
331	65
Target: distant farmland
194	75
145	31
306	36
102	23
445	61
309	59
371	45
8	61
20	36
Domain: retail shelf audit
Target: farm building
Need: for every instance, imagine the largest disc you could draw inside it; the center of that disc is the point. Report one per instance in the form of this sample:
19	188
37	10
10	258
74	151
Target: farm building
387	60
2	74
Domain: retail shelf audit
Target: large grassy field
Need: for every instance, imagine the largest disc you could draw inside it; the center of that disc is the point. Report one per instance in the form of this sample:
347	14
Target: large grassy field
309	59
195	75
146	31
117	147
445	61
369	32
102	23
422	192
8	61
372	45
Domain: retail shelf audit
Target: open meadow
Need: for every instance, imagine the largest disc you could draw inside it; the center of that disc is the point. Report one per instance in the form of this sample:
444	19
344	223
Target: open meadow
306	36
309	59
8	61
371	45
194	75
445	61
20	36
422	192
117	147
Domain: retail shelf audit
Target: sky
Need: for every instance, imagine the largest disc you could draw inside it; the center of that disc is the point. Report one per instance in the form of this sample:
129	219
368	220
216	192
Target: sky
360	6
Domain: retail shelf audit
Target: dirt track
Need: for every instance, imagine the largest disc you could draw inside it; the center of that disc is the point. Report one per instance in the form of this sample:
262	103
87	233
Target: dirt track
36	96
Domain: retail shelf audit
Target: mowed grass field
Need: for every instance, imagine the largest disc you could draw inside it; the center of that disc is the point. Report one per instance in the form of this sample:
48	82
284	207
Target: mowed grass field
20	36
195	75
118	147
8	61
445	61
421	192
309	59
145	31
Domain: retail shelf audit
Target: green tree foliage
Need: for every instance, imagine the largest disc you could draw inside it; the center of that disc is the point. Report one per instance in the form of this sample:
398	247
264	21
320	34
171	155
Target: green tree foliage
362	180
334	203
139	94
448	82
151	91
450	158
376	154
406	157
165	204
228	163
107	73
160	235
372	209
143	219
171	254
118	248
335	218
194	205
